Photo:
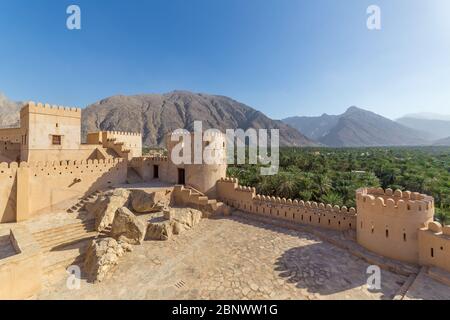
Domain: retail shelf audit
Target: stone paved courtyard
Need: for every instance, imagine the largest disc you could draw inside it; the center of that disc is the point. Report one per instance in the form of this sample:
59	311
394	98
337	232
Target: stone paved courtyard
233	258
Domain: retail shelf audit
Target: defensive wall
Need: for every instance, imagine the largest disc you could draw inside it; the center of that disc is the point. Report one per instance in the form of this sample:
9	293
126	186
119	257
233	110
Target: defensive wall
310	213
27	189
388	222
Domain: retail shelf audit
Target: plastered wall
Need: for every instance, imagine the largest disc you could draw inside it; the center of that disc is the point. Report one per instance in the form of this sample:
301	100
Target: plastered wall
29	189
8	191
434	246
388	222
311	213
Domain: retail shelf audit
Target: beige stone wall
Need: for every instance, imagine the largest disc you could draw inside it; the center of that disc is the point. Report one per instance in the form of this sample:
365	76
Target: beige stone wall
311	213
13	135
40	123
201	175
434	246
68	180
8	191
144	166
30	189
9	151
388	222
21	274
10	144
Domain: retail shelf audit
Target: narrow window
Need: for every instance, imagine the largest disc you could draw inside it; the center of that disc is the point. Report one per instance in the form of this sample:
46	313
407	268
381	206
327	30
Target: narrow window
56	140
404	237
432	252
387	233
329	221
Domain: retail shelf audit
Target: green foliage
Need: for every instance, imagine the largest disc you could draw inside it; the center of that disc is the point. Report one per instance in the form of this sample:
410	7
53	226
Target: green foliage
333	175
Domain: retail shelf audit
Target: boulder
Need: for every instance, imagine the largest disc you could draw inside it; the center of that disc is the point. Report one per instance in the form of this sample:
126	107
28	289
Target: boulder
104	209
102	255
187	217
142	201
127	227
159	231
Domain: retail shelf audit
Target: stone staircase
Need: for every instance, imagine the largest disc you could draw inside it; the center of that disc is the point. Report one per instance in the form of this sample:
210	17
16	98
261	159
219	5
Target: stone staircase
118	147
80	204
65	245
198	200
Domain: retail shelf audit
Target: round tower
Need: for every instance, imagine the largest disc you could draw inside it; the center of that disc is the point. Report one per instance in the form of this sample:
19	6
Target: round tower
206	163
388	222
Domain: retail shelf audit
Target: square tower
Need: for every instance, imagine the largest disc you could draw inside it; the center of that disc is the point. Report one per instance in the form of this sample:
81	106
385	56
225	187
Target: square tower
49	133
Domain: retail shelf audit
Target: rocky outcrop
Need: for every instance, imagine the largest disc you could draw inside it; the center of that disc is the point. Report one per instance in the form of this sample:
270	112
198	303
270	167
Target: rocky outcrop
187	217
159	231
104	209
101	256
177	221
142	201
127	227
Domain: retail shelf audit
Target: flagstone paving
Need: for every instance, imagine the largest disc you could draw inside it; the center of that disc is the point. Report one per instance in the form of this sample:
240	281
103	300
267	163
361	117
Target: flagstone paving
234	258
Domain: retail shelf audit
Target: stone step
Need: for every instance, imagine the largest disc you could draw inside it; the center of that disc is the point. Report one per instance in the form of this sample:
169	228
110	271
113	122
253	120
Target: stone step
82	224
63	258
63	234
51	244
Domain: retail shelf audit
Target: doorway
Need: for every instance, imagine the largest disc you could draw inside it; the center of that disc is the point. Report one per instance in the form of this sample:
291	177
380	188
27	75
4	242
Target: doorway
155	172
181	176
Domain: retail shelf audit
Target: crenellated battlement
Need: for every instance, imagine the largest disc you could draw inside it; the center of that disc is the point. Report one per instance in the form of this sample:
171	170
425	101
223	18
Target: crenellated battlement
434	245
389	202
137	161
122	133
287	202
48	166
437	229
388	221
319	214
32	107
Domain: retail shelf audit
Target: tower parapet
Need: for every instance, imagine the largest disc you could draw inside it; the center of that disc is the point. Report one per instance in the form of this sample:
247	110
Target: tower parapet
32	107
388	221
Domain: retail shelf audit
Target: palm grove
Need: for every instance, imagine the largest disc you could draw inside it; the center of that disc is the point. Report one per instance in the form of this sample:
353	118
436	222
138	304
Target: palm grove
333	175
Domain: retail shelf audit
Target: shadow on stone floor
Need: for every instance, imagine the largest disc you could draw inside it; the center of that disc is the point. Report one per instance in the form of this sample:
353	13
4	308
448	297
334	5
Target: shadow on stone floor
311	268
319	267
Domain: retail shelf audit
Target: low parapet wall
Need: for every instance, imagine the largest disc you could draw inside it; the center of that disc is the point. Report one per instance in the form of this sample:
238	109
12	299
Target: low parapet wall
311	213
434	246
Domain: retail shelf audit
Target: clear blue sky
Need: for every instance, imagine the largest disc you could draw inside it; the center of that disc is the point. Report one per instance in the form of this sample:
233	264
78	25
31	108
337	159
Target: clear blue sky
283	57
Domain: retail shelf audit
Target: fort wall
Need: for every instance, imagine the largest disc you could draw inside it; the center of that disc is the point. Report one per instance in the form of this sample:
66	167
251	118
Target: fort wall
21	274
310	213
50	133
8	191
126	144
31	188
388	222
207	162
434	246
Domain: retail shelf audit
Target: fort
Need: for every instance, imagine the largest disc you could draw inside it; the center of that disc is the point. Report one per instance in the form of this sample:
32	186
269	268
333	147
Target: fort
46	174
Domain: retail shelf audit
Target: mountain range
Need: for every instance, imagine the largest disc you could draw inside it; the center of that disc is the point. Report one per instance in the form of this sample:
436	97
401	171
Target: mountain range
154	115
358	128
157	114
436	128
